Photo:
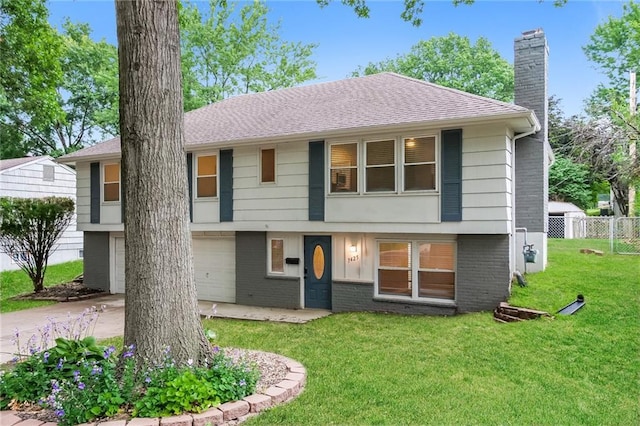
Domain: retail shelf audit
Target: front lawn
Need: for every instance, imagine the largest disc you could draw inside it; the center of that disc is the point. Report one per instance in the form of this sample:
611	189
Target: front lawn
368	369
14	283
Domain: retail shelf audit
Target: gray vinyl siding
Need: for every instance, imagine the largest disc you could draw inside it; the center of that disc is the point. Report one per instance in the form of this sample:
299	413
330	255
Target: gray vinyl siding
482	276
96	260
253	286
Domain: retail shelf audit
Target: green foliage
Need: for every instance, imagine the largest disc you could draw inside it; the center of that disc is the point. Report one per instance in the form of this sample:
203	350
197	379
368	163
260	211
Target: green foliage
614	48
29	230
14	283
569	181
453	61
83	381
58	89
228	51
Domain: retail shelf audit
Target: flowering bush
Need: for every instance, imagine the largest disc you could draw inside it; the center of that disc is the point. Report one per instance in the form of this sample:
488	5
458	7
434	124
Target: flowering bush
81	382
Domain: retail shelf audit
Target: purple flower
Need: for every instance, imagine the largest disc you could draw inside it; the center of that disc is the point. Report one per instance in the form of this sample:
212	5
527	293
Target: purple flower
147	379
46	356
54	385
242	383
76	375
110	350
216	349
96	370
81	386
59	366
59	412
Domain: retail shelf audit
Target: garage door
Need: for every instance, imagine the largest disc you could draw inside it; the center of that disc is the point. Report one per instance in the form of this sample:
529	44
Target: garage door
214	261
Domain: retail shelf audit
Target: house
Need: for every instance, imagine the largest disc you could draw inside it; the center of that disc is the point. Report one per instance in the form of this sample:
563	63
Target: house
379	193
37	177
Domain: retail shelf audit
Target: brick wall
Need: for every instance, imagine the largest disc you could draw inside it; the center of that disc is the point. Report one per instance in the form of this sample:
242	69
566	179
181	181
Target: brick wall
253	286
483	274
531	167
96	260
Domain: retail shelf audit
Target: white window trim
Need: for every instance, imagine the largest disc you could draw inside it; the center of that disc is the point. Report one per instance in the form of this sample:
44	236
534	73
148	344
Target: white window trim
275	165
434	162
195	176
415	268
103	182
365	167
358	168
269	257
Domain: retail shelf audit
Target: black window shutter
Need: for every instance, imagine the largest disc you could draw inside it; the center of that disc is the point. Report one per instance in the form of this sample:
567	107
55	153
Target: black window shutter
94	200
226	185
190	183
316	181
451	185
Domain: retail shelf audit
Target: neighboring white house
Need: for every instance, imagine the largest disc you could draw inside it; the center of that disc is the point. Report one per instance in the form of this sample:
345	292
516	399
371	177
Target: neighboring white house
566	220
38	177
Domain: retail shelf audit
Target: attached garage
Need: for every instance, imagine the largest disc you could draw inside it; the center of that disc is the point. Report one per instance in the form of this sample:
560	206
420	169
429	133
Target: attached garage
214	261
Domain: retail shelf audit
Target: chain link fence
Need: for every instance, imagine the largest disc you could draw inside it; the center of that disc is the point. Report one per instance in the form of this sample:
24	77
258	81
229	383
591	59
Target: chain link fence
623	233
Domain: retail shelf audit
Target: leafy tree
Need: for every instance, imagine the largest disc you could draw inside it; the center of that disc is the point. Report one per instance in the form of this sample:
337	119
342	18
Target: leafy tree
569	181
161	306
453	61
224	56
29	230
59	89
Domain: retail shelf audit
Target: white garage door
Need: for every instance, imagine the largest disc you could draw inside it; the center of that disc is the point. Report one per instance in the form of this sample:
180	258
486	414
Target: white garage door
214	261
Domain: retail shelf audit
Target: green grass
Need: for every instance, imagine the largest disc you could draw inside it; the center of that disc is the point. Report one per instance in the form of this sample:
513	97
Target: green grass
14	283
368	369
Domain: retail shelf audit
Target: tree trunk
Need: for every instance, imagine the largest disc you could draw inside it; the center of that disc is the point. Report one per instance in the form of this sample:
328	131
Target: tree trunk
161	307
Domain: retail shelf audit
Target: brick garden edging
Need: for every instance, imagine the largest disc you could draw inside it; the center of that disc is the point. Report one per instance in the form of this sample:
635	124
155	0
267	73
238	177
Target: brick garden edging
228	413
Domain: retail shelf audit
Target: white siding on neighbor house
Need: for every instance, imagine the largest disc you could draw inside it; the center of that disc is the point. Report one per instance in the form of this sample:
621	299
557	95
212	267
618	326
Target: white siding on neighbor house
27	181
83	192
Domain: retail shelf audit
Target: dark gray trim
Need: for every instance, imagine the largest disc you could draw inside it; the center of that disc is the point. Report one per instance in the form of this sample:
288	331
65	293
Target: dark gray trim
94	199
316	181
226	185
123	199
253	288
190	183
451	172
96	261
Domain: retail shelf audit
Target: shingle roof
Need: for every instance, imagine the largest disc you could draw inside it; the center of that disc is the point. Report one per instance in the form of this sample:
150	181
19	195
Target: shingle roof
13	162
379	100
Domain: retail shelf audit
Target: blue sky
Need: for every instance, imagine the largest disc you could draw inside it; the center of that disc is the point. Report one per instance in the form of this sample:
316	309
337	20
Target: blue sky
346	41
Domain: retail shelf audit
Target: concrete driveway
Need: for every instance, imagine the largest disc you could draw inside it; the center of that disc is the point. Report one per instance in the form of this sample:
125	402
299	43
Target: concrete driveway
110	322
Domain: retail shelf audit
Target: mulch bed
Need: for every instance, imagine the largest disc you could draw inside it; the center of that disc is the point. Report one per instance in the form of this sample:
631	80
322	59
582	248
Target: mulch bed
66	292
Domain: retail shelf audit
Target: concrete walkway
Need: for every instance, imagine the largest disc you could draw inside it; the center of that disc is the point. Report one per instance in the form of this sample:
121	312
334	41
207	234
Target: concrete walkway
110	322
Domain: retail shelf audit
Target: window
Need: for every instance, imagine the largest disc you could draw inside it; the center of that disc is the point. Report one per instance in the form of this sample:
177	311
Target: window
381	166
268	165
111	182
416	270
344	167
420	163
48	173
207	176
277	256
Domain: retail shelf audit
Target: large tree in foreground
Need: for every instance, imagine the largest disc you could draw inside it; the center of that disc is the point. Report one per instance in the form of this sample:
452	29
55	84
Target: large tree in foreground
30	229
453	61
161	308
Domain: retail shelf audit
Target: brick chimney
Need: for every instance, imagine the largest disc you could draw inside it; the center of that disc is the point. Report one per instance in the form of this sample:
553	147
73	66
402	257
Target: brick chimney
532	153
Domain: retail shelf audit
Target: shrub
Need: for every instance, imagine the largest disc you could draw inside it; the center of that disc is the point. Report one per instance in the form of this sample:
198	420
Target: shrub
82	381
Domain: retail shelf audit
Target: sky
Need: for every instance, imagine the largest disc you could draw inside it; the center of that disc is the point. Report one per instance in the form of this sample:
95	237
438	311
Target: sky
346	42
